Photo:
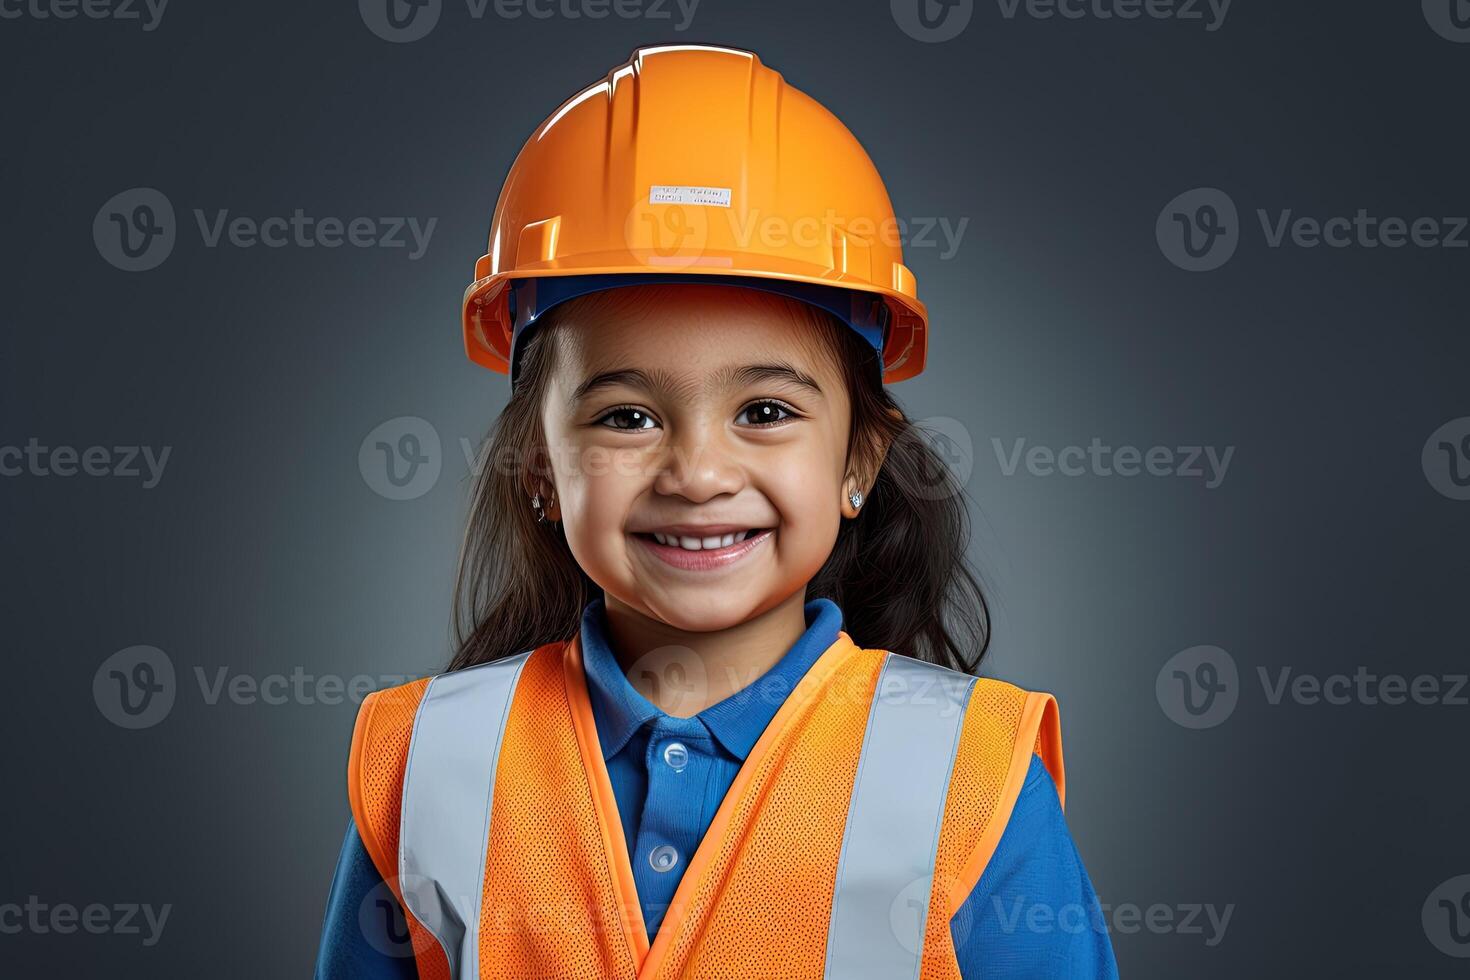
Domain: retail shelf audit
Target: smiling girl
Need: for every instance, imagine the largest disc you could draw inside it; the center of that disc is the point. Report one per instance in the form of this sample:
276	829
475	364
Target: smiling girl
713	711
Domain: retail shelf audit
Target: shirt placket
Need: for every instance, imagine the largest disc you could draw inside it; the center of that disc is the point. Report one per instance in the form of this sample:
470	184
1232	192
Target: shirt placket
678	758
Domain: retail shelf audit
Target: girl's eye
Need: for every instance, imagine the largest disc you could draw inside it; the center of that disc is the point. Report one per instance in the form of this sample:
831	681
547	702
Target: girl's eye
634	417
764	413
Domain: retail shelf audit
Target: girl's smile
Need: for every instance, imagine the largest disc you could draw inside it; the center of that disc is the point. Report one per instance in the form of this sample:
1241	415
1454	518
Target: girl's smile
707	551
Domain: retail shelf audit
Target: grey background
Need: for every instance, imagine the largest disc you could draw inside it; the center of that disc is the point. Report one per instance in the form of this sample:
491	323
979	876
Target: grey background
264	550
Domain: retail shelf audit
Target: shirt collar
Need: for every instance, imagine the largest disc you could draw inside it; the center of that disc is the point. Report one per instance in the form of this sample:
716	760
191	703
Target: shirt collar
619	709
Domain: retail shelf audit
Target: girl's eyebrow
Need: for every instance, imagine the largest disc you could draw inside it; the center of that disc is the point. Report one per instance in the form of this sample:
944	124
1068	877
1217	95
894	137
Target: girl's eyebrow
741	375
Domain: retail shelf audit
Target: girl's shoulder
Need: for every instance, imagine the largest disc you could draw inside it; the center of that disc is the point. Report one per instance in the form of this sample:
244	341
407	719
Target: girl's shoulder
1003	728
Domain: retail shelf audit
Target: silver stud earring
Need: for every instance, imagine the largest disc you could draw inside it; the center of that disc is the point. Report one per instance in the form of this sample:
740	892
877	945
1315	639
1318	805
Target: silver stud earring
857	499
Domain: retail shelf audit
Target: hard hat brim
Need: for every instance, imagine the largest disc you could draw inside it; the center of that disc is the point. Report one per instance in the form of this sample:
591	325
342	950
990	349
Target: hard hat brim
490	329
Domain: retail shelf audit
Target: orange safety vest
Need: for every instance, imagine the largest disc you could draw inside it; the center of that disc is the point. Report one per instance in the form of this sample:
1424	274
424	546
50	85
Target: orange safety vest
854	830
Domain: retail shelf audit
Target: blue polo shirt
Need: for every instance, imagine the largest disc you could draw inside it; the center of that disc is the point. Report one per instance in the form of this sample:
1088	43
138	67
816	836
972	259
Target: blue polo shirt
1032	914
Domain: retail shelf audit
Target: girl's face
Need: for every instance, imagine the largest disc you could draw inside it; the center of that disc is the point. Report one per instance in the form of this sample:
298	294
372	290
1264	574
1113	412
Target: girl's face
710	413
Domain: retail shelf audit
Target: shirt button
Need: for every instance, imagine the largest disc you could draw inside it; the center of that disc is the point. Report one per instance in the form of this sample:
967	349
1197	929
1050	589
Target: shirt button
663	858
676	754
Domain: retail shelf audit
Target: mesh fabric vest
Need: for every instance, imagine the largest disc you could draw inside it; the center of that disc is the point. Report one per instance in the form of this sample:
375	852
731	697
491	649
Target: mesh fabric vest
556	897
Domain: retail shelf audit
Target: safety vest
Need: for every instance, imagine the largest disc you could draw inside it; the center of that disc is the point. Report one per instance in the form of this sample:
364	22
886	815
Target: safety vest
852	834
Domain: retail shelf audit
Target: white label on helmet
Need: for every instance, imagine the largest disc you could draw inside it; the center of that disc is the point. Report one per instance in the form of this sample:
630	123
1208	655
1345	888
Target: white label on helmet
715	197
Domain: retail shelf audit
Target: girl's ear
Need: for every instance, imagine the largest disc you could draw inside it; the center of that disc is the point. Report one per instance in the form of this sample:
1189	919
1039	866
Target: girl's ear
541	498
856	487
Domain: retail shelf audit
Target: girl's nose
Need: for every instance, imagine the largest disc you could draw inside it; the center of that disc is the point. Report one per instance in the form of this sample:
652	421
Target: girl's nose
699	463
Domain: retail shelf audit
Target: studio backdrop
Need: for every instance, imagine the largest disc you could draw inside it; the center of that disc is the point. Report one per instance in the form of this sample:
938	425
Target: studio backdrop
1198	356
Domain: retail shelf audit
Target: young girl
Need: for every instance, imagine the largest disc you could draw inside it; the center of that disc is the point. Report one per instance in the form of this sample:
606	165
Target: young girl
713	711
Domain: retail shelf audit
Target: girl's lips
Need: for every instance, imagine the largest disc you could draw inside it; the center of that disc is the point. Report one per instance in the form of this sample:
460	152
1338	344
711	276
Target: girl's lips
706	559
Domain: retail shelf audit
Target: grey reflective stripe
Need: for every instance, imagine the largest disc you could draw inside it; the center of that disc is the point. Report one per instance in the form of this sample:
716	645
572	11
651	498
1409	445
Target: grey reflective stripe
885	872
448	787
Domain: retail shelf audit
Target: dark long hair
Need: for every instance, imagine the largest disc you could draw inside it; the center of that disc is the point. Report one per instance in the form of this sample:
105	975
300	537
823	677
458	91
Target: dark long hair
898	570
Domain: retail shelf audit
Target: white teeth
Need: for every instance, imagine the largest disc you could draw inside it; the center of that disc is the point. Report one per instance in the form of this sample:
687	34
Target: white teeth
702	544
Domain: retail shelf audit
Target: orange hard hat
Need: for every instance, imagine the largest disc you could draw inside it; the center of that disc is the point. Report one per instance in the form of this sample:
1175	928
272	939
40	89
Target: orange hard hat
689	162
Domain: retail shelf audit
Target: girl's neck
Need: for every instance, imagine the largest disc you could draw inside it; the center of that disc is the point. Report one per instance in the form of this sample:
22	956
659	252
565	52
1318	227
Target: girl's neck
731	659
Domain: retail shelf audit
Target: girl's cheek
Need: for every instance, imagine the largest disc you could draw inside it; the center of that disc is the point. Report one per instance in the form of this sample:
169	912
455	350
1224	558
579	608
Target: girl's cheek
597	462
